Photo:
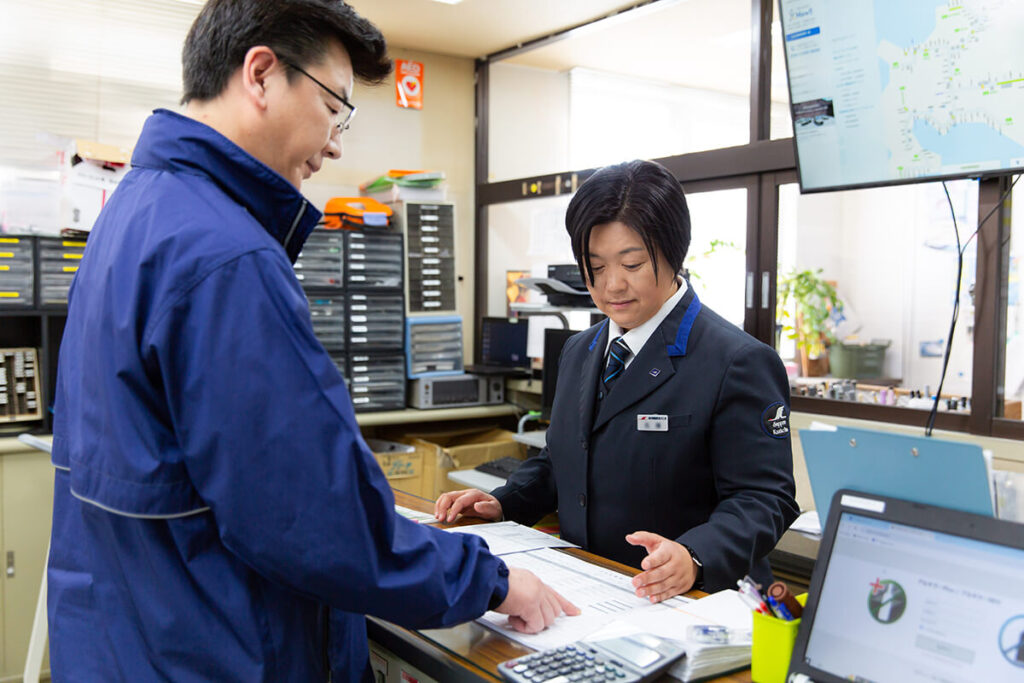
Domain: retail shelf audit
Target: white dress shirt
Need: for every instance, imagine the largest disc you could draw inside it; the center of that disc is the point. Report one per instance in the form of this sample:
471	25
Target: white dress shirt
638	336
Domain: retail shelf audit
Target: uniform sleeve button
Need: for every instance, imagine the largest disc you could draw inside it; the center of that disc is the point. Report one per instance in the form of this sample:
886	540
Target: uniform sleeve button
583	500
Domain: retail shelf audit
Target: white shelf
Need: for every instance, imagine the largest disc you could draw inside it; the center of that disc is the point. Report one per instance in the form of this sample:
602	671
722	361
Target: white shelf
408	416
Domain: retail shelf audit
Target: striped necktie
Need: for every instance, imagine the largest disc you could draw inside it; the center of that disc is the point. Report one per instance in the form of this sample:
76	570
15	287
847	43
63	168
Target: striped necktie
618	354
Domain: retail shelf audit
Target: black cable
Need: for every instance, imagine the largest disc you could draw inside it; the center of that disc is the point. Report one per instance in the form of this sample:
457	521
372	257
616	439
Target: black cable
960	250
956	309
995	208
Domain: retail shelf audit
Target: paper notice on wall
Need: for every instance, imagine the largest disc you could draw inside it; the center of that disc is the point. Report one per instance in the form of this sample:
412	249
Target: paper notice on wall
408	84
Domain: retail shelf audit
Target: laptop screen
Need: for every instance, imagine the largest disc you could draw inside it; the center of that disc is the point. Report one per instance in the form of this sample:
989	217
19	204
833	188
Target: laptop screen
904	603
503	343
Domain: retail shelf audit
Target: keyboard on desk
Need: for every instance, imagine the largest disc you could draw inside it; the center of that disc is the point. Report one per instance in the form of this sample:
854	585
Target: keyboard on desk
502	467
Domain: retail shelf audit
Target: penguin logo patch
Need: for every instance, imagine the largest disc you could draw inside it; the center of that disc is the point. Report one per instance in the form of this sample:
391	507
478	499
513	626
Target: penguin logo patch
775	421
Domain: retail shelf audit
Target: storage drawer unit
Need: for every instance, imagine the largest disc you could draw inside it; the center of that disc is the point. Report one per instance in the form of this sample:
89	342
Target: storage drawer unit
433	346
328	315
321	264
373	260
377	380
19	385
430	255
376	320
58	262
17	272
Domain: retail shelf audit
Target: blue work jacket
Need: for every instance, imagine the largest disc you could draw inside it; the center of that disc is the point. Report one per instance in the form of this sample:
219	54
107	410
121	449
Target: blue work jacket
213	491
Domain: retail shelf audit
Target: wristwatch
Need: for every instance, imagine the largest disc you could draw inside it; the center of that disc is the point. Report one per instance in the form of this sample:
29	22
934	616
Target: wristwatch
699	582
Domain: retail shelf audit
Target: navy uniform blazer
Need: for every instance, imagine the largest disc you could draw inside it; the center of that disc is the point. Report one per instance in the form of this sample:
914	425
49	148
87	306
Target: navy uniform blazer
719	479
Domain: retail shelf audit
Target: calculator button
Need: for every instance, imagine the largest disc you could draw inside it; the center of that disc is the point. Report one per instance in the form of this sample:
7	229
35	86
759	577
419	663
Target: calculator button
558	679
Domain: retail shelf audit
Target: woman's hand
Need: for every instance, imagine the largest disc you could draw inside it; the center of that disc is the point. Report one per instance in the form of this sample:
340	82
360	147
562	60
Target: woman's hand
668	568
469	502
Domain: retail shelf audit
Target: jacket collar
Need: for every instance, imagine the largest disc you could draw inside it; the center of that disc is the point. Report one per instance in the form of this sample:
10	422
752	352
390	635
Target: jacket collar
651	368
176	143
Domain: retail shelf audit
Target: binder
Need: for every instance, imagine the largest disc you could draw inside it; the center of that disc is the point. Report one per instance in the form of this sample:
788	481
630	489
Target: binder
927	470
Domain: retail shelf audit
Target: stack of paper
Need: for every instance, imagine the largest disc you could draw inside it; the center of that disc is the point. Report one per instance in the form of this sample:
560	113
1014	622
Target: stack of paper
504	538
397	185
704	659
609	606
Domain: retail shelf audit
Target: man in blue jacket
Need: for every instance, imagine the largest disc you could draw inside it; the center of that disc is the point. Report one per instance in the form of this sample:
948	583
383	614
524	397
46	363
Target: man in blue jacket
213	491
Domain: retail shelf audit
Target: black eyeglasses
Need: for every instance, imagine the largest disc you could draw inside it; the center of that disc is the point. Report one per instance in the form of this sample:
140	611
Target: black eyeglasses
343	117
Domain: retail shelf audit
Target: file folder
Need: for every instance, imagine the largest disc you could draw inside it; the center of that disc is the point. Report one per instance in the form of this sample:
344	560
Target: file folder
926	470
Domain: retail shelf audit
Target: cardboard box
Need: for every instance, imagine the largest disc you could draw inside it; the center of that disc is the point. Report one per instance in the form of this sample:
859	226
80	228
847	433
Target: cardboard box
442	451
90	172
401	463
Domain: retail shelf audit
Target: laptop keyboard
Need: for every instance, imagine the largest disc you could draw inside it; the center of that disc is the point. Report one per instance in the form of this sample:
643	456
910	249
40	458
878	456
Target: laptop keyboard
502	467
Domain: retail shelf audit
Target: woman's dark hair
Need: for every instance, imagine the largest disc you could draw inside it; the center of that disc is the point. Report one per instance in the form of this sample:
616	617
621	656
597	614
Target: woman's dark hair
297	31
640	194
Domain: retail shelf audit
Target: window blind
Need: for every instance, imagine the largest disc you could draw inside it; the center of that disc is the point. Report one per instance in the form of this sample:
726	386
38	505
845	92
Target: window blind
90	69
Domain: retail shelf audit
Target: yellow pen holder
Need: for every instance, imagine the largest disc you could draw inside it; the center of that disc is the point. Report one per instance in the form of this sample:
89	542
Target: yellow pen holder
773	646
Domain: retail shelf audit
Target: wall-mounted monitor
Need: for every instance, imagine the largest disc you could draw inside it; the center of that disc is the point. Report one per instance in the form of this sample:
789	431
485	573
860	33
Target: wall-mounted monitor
899	91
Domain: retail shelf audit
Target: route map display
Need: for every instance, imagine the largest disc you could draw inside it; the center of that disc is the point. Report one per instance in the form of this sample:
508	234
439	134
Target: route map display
891	91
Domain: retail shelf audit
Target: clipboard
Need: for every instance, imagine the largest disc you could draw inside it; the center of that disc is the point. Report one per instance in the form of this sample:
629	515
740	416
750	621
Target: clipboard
921	469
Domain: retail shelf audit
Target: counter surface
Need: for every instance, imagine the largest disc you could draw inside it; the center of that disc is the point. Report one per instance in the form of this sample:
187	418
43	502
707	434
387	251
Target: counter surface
470	652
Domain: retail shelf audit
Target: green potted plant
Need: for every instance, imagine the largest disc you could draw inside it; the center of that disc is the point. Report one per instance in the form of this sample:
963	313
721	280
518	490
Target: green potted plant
808	323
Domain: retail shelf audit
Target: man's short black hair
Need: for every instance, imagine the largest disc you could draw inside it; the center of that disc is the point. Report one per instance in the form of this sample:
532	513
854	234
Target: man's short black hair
297	31
640	194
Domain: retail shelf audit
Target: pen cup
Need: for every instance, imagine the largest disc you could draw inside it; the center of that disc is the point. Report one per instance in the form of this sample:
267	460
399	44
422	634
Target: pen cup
772	646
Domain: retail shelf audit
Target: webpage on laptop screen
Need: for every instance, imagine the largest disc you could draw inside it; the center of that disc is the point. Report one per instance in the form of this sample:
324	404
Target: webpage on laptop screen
900	603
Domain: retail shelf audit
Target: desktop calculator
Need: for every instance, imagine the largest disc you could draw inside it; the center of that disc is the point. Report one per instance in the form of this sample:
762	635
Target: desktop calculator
627	659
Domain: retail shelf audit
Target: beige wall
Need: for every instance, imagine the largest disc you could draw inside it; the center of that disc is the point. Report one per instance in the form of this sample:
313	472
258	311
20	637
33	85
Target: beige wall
438	137
528	123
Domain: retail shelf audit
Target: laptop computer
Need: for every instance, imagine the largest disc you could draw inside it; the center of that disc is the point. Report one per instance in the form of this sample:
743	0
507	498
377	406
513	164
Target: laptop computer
907	592
502	348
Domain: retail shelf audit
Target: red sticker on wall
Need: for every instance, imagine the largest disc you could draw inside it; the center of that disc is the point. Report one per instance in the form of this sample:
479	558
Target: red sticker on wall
408	84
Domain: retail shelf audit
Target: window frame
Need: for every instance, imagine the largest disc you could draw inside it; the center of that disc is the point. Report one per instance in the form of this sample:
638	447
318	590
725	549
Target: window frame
761	166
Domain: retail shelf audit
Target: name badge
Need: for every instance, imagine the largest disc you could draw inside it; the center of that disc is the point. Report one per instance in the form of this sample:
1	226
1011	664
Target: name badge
652	423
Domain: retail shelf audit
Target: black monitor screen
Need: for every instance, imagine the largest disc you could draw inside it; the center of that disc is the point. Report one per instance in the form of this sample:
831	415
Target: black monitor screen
554	340
898	91
503	342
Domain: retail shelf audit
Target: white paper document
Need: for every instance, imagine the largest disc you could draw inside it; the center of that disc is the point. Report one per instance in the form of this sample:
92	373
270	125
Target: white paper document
504	538
808	524
602	595
723	608
416	515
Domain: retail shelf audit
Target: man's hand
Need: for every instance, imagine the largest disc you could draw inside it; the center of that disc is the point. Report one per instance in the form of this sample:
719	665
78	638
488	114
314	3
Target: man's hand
668	568
531	605
469	502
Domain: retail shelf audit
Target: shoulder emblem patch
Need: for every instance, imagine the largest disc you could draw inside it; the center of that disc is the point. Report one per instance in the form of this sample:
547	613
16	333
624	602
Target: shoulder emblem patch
775	420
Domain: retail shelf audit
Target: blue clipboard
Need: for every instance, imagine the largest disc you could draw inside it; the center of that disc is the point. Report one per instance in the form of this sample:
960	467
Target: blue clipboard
947	474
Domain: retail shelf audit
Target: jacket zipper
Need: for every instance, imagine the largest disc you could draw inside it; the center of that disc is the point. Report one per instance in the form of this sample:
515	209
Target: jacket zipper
295	224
